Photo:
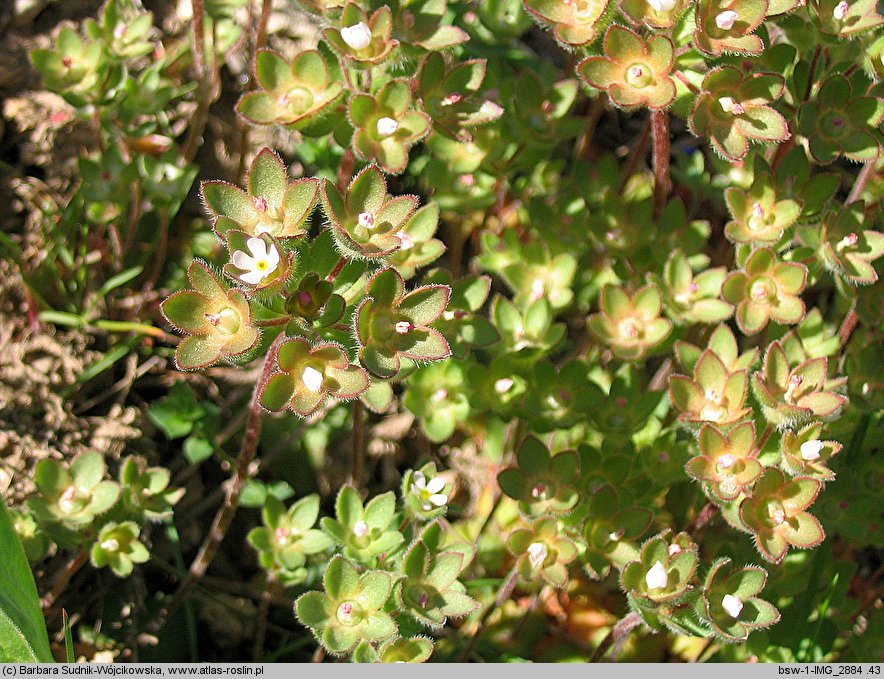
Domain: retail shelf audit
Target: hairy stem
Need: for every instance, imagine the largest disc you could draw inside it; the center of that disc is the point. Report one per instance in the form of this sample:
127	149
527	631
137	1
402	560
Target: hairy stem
503	593
662	180
764	437
61	582
358	442
345	171
342	262
862	179
263	612
617	635
225	514
848	326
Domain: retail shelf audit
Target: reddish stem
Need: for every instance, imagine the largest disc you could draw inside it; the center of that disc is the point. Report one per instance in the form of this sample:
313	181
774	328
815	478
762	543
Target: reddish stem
342	262
234	489
662	180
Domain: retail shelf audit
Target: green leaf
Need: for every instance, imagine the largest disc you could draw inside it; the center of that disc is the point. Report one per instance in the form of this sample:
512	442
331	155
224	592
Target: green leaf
23	636
88	469
228	200
367	191
273	71
196	449
379	510
267	177
278	392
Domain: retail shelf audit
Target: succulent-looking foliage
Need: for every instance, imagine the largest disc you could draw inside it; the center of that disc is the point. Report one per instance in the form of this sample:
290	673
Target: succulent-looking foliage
364	221
573	21
727	462
764	289
542	483
505	140
271	203
288	538
387	125
309	374
731	603
364	531
790	396
630	324
663	571
293	94
541	552
391	324
714	395
733	110
218	321
847	247
775	513
350	610
633	72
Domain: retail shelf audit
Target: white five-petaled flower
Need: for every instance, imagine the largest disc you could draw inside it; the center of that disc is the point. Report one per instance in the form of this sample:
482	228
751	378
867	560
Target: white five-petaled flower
656	577
537	553
841	10
262	261
312	379
732	605
726	19
662	6
428	492
386	126
810	450
357	37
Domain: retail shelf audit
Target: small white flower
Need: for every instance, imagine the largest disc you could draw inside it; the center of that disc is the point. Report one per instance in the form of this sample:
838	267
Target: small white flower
490	108
110	545
67	501
848	241
357	37
428	492
810	450
537	553
712	413
674	549
728	105
662	6
726	461
312	379
732	605
537	289
405	241
841	10
262	261
656	577
725	21
360	529
404	327
503	385
386	126
365	220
